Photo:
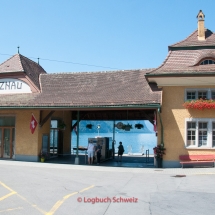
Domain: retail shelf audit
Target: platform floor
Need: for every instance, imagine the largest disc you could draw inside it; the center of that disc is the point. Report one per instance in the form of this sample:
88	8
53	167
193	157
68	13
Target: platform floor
133	161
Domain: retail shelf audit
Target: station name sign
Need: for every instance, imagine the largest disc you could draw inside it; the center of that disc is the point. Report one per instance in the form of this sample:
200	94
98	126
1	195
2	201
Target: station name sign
9	85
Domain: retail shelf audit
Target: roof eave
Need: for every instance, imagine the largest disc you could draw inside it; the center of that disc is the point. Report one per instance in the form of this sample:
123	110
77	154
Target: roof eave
148	105
175	48
179	74
13	72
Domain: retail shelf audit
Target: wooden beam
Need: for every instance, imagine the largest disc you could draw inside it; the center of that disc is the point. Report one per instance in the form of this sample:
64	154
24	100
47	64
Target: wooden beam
80	118
148	117
42	122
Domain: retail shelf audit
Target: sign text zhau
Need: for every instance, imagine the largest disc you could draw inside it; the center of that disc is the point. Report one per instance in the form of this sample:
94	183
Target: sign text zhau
13	86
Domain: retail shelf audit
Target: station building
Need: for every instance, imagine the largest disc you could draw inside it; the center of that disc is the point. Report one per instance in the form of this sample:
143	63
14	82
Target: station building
187	80
34	104
30	98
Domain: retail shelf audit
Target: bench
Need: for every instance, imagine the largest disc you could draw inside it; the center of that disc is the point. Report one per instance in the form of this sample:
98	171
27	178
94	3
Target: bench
193	159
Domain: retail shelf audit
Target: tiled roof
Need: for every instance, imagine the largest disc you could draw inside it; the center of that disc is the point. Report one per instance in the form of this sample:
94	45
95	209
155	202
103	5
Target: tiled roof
88	90
192	40
184	57
13	64
185	61
19	63
32	69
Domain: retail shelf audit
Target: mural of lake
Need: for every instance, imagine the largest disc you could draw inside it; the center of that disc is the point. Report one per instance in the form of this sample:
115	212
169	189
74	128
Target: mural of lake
138	141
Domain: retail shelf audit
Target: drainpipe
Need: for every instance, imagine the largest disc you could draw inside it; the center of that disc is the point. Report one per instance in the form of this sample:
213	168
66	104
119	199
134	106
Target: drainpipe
77	158
162	143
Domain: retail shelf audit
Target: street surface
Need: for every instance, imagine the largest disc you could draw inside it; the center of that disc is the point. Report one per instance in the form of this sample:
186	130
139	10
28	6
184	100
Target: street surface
28	188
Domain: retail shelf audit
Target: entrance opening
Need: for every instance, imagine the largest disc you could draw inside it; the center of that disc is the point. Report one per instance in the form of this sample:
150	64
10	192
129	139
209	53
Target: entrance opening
7	137
53	148
56	139
137	137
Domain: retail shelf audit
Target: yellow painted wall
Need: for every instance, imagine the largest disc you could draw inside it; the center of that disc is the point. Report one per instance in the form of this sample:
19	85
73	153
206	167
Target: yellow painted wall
30	144
26	143
173	116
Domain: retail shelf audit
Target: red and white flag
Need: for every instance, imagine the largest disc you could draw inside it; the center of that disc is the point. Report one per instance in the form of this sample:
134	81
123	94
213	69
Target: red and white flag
75	129
155	122
33	124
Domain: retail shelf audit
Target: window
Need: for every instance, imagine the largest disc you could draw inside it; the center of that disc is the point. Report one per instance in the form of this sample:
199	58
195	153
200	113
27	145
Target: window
200	133
54	123
213	95
193	94
202	95
191	133
207	61
7	121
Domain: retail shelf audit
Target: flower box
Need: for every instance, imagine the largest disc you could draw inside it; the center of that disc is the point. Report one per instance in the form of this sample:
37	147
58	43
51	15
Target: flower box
200	104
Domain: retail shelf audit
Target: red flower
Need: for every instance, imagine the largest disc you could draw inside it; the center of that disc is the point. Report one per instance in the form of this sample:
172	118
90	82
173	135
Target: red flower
159	151
200	104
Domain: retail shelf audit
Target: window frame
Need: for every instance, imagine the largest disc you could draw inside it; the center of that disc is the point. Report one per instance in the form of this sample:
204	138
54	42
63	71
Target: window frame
207	60
202	130
191	130
210	130
209	93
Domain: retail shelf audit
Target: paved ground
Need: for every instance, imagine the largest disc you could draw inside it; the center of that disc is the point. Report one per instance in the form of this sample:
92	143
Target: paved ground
127	161
61	189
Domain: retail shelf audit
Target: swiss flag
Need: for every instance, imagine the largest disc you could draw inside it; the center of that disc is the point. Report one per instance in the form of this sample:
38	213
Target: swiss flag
75	130
155	122
33	124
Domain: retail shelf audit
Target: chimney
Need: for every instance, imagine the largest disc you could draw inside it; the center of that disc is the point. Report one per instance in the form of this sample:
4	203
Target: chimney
201	27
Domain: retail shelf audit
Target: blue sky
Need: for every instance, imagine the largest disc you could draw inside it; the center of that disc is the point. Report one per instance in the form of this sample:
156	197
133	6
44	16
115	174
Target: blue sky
110	34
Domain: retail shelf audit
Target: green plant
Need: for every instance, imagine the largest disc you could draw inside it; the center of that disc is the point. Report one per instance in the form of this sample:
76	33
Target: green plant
61	125
44	155
126	127
89	126
139	126
159	151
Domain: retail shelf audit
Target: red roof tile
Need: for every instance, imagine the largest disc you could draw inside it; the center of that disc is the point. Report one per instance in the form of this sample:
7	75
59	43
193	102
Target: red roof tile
186	61
32	69
192	40
13	64
184	57
116	88
20	63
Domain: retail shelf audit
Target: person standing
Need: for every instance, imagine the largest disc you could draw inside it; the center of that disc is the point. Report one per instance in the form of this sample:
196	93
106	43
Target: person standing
120	151
113	147
90	152
98	152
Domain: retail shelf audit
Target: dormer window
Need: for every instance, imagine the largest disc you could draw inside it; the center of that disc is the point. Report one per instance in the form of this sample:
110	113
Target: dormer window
207	61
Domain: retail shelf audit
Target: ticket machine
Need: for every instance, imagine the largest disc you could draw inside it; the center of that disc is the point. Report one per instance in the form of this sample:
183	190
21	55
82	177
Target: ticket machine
106	144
